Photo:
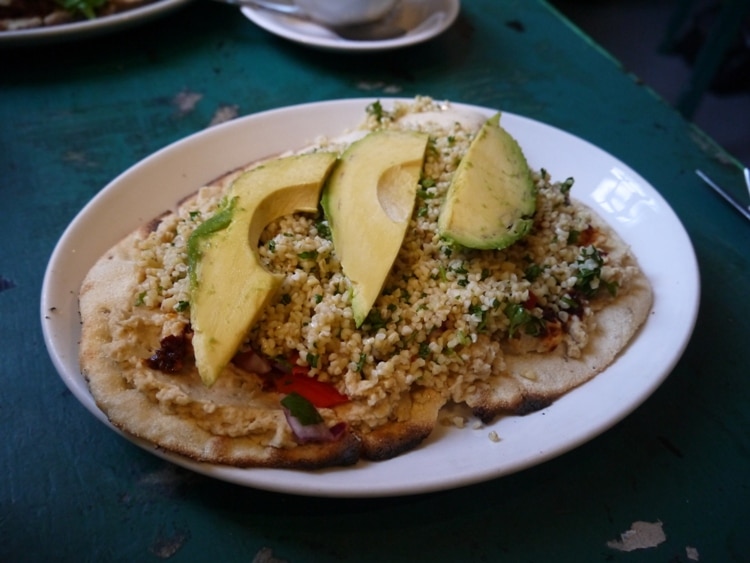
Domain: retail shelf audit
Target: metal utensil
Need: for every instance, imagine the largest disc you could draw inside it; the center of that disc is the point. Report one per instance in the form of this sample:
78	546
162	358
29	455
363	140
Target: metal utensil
745	210
390	27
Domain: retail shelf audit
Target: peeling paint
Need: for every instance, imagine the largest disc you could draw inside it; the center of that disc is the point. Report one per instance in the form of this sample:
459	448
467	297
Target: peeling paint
169	542
223	114
265	555
165	482
641	535
186	101
78	158
710	147
386	88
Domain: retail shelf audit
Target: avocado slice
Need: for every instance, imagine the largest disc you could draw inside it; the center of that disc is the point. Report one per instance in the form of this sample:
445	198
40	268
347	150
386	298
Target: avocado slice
229	286
368	200
492	198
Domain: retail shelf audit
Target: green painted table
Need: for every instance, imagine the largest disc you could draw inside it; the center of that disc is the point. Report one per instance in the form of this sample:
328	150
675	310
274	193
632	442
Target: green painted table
74	115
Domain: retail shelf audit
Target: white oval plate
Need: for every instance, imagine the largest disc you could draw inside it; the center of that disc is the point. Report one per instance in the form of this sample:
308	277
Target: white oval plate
451	457
428	18
89	28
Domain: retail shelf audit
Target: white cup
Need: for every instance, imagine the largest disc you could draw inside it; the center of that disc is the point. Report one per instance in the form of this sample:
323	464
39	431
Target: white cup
332	12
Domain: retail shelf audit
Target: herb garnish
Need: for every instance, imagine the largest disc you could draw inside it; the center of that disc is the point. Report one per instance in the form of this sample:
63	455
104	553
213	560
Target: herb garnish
533	272
84	7
360	362
375	320
520	317
312	359
308	255
589	273
217	222
376	110
481	314
324	229
567	185
301	409
424	350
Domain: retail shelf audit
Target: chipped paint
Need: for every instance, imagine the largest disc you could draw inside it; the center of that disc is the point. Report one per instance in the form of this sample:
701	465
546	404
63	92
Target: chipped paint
223	114
186	101
167	480
78	158
641	535
265	555
169	542
386	88
710	147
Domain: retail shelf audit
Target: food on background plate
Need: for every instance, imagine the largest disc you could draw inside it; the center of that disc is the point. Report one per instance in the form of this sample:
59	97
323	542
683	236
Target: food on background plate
331	362
17	15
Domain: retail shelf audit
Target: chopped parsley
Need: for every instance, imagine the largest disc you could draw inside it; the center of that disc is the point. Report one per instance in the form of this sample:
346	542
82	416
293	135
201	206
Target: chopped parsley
308	255
567	185
376	110
424	350
312	360
481	314
324	229
375	320
301	409
425	183
217	222
521	318
589	272
533	272
84	7
360	363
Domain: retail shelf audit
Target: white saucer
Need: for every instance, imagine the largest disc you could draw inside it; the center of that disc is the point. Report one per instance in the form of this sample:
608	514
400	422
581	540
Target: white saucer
426	19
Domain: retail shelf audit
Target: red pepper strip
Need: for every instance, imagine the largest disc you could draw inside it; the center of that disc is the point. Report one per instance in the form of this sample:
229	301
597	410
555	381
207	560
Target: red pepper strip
319	393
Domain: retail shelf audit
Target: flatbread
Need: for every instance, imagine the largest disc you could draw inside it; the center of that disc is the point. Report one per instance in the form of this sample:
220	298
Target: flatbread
414	363
533	381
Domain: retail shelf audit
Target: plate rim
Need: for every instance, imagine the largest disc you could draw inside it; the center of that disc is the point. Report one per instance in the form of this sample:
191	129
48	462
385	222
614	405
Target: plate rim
269	478
274	24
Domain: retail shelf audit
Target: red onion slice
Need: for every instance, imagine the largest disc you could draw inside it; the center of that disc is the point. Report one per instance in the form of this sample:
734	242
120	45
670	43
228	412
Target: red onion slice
252	362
